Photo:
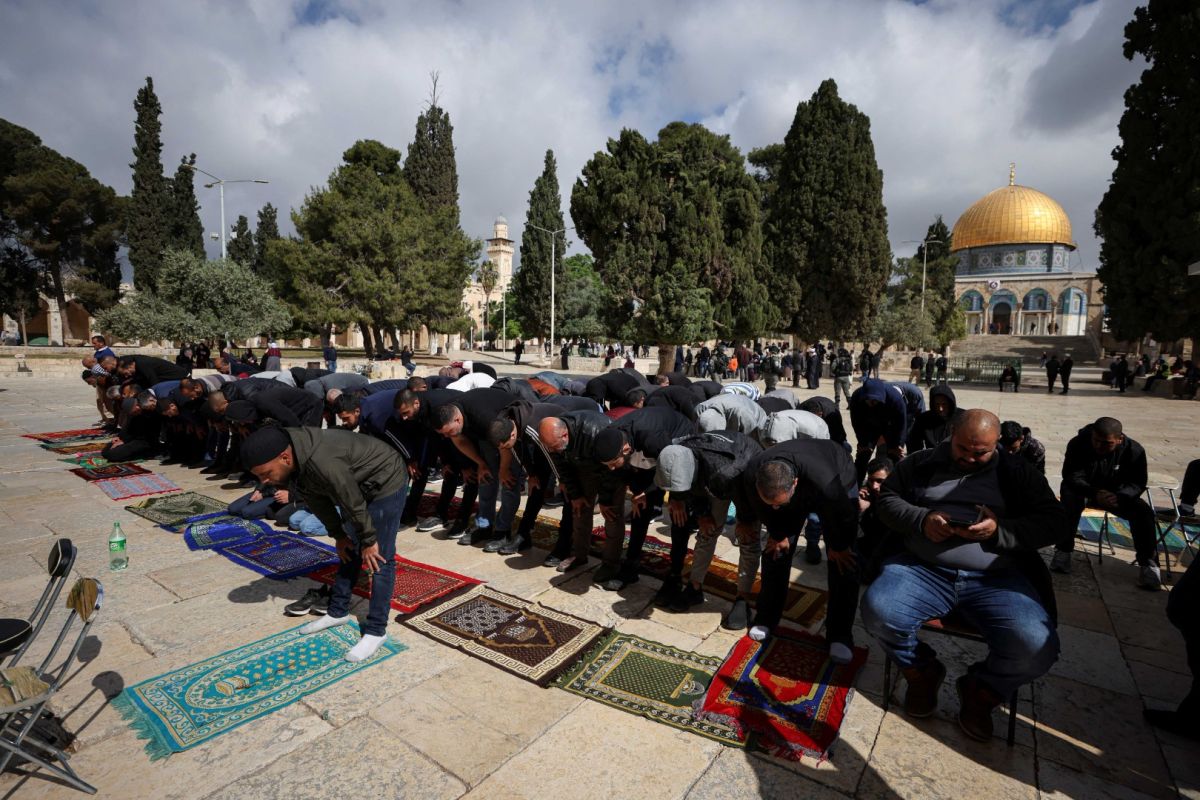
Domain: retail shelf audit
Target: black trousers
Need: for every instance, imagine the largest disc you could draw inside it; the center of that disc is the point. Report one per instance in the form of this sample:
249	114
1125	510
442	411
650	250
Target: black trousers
129	451
1183	610
843	595
1134	509
1190	489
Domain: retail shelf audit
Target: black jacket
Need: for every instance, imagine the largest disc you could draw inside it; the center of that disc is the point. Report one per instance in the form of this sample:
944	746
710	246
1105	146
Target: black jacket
612	386
1121	472
930	428
827	410
289	406
576	464
826	484
675	397
649	430
302	375
151	370
1033	517
721	457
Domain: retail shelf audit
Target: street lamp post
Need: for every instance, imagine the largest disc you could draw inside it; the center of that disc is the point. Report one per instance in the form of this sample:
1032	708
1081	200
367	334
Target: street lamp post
220	184
553	242
924	262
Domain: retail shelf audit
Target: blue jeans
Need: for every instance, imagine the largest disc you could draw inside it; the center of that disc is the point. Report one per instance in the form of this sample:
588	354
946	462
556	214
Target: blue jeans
385	514
246	508
510	499
1001	605
331	365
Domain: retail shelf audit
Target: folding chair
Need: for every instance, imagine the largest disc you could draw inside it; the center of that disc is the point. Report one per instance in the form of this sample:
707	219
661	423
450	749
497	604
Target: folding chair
1174	520
58	564
25	692
1105	537
948	626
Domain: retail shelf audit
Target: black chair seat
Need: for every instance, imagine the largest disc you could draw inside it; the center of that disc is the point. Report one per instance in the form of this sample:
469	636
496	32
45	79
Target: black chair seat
13	634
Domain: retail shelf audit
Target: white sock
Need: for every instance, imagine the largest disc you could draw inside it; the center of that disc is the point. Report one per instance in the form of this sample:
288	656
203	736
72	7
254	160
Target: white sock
759	633
323	623
840	653
365	648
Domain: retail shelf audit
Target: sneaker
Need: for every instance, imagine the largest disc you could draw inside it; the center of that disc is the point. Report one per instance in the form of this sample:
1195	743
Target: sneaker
553	560
812	553
430	524
921	697
434	476
738	617
975	704
571	563
497	542
607	572
1061	562
554	501
314	601
216	468
685	600
475	535
1187	510
1149	577
514	545
840	653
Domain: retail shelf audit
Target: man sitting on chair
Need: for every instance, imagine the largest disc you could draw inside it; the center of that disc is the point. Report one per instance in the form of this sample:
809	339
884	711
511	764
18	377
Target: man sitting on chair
966	521
1105	469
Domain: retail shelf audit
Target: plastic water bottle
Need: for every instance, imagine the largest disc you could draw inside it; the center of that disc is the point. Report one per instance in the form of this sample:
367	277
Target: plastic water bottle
117	558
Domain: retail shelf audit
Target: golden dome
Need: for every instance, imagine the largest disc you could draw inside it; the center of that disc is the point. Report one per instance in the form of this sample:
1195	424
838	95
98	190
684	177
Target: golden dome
1012	215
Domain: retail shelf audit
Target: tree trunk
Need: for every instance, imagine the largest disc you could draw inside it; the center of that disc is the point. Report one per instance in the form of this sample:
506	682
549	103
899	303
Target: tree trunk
326	334
21	323
666	358
368	346
395	334
377	335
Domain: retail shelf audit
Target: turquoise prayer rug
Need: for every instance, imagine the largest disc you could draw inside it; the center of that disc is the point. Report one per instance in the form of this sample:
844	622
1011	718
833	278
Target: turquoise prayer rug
189	706
1118	531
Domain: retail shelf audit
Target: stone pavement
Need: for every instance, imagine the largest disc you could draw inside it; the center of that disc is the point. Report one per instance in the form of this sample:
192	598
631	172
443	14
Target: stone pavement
435	723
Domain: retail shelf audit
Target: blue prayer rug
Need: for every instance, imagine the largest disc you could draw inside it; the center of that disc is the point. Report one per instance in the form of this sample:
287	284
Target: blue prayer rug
189	706
213	531
281	555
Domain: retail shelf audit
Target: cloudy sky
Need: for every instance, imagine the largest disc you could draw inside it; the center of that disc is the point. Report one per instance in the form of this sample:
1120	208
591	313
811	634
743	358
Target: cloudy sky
277	90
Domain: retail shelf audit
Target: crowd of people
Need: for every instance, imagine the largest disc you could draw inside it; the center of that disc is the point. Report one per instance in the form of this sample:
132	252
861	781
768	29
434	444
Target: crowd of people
940	511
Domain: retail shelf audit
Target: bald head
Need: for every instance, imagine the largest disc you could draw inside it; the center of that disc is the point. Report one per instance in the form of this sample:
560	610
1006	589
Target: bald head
553	433
973	439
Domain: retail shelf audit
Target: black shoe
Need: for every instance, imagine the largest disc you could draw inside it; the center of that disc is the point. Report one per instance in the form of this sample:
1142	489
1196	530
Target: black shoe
685	600
738	618
605	573
513	546
496	543
553	560
666	593
314	601
812	553
553	502
216	468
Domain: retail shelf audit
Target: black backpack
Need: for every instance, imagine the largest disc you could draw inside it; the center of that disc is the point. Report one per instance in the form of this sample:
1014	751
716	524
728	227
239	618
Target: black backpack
723	457
843	366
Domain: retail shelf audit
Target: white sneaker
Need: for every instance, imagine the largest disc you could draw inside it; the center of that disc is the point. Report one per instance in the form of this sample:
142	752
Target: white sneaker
1149	577
1061	562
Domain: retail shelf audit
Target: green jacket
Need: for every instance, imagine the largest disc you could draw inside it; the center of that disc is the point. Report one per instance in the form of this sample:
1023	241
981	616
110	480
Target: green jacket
341	470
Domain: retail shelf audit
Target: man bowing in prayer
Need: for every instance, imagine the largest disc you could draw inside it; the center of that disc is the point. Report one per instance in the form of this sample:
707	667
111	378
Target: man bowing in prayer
356	485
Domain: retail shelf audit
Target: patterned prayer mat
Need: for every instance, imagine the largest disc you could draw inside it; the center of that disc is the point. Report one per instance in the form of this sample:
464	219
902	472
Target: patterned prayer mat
526	639
178	508
73	449
136	486
429	501
649	679
72	437
109	471
94	460
416	584
189	706
1118	531
785	691
211	531
281	555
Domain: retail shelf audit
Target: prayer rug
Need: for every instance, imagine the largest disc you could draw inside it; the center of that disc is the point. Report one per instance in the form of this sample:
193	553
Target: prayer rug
786	691
651	680
213	531
63	437
176	509
281	555
416	584
191	705
94	460
109	471
428	505
1118	531
526	639
73	449
136	486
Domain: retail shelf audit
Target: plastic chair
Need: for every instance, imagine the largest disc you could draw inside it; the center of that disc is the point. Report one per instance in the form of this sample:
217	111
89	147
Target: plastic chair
26	691
58	564
949	626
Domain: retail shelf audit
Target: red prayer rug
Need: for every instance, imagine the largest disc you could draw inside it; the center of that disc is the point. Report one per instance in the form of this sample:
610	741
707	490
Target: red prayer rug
82	434
76	449
427	507
786	691
416	584
109	471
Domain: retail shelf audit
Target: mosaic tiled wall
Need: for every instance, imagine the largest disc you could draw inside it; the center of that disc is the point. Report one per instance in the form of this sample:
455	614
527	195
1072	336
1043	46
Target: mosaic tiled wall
1015	259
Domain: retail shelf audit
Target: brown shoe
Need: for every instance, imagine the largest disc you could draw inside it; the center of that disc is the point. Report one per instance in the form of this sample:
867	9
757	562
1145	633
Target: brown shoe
975	705
921	698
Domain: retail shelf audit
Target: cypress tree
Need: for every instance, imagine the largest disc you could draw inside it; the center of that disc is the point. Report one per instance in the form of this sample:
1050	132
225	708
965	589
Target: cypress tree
1149	219
531	284
241	244
186	231
148	227
266	231
827	225
430	168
